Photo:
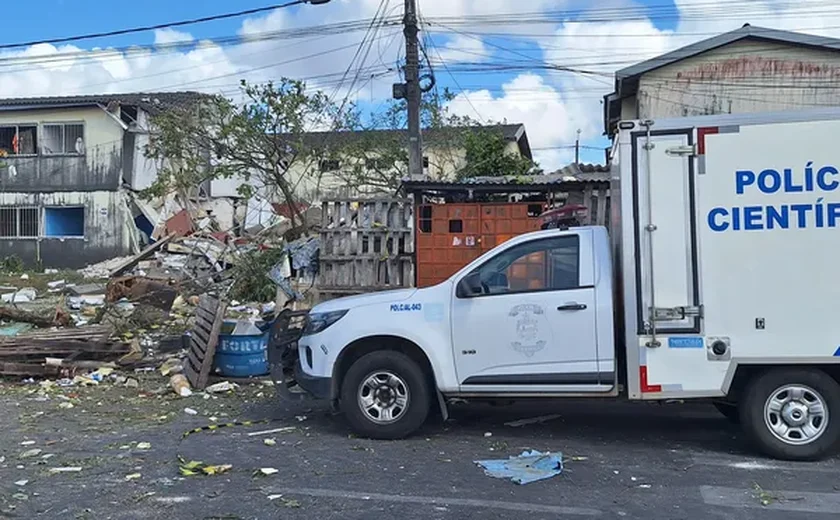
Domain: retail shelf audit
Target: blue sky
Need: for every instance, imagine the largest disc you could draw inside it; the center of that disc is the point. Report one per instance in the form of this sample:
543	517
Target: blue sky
553	105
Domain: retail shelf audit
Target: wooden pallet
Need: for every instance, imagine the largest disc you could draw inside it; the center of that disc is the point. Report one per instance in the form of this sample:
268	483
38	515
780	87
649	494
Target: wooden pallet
209	316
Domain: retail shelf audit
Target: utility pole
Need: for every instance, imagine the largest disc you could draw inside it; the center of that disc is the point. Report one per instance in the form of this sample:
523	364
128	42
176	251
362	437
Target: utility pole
577	148
410	90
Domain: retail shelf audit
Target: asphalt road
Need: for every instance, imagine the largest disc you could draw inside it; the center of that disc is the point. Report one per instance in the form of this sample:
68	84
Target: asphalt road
622	461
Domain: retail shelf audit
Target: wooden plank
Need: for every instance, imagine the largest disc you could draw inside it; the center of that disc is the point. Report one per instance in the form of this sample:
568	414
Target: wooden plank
208	303
202	334
205	315
603	218
587	201
364	200
142	255
194	360
376	231
211	346
197	345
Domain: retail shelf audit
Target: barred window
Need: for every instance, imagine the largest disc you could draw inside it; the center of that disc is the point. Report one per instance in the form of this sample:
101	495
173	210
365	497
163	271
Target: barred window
18	222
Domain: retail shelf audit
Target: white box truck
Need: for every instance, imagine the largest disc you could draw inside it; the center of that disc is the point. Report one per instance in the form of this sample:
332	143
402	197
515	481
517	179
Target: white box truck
716	281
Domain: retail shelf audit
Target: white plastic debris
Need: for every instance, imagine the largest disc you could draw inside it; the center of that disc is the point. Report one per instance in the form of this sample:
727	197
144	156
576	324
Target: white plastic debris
30	453
488	434
20	296
190	411
144	445
269	471
224	386
21	482
27	443
66	469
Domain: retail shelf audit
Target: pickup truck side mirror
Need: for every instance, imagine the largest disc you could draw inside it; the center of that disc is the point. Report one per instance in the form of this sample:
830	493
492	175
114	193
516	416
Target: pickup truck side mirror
469	286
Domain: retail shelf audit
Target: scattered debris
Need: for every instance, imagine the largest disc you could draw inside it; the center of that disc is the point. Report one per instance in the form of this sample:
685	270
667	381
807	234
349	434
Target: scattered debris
27	443
21	483
195	467
285	429
31	453
66	469
224	386
525	468
533	420
645	486
270	442
181	385
144	445
269	471
24	295
488	434
20	496
190	411
288	502
132	476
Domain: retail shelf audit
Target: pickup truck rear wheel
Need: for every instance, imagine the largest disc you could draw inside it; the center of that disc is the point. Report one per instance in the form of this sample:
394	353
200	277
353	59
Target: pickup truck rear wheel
384	395
793	414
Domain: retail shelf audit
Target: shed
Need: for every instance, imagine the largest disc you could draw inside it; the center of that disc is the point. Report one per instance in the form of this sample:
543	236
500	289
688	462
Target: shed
456	222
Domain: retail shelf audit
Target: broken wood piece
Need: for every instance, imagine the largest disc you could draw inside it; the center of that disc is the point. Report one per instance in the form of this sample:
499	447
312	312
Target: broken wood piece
142	255
13	314
87	365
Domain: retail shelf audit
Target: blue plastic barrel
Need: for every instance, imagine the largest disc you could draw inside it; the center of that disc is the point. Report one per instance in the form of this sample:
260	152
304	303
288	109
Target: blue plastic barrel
242	355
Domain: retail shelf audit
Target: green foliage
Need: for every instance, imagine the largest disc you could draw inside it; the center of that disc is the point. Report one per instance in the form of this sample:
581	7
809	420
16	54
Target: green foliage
487	155
257	140
250	275
11	264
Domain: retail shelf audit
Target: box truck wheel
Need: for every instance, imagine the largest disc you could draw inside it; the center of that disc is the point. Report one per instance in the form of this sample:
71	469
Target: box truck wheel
384	395
792	414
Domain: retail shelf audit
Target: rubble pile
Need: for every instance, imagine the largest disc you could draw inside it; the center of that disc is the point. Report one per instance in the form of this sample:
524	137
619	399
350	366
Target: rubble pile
143	311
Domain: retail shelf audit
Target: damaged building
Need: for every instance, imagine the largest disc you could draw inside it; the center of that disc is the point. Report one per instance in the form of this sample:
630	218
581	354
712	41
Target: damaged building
69	167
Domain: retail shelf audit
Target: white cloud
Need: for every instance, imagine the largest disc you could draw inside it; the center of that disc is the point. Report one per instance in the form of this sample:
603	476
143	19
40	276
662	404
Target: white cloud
168	35
552	105
463	48
550	121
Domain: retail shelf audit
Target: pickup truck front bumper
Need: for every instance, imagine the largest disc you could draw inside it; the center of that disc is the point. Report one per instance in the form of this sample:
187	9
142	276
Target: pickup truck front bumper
290	381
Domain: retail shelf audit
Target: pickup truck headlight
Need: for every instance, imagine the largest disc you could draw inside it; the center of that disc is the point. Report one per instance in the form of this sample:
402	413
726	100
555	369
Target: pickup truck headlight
318	321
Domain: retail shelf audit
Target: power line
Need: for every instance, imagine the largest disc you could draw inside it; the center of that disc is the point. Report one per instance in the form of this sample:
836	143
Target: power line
181	23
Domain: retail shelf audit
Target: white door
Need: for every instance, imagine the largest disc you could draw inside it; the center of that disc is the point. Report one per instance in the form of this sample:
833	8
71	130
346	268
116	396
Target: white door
529	325
672	348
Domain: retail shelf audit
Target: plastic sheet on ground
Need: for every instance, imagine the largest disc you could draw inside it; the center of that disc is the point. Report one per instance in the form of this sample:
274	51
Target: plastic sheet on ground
528	467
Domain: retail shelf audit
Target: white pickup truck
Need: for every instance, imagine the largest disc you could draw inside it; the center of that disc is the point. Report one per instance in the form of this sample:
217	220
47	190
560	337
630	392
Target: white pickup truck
715	282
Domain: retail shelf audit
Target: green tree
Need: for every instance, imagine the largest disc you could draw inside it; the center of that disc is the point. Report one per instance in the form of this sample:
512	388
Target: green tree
487	155
259	140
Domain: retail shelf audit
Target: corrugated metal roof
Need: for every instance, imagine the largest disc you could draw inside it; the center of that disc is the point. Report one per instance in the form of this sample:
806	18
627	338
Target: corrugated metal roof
572	175
152	102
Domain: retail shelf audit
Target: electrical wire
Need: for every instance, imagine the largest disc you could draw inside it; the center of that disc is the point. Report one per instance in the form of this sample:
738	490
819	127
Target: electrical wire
168	25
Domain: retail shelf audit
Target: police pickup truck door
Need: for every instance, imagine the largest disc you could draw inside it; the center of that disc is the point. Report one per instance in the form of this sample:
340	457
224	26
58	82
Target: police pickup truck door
523	321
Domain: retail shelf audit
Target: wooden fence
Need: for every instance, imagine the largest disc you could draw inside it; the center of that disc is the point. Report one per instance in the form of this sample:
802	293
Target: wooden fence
366	245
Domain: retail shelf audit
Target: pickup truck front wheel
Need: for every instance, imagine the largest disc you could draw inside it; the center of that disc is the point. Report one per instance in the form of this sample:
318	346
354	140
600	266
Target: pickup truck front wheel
793	414
384	395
